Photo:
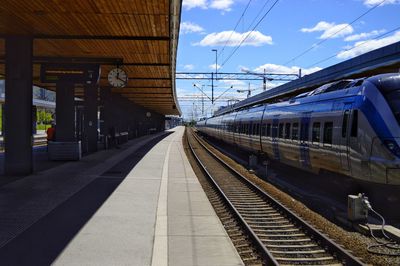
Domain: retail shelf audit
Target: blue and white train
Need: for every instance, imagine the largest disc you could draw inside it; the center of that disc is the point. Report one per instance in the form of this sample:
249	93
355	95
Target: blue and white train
348	127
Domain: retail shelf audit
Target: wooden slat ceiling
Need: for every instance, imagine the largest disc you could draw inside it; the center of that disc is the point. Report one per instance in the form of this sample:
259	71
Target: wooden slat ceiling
141	33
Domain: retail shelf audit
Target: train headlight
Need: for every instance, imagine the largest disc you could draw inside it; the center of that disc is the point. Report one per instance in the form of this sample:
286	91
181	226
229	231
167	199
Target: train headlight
393	147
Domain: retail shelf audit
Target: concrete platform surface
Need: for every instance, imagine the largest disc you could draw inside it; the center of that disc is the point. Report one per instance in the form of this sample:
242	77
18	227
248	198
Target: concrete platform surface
140	205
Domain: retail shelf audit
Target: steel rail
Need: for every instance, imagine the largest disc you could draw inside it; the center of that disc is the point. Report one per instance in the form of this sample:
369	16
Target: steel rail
344	256
266	255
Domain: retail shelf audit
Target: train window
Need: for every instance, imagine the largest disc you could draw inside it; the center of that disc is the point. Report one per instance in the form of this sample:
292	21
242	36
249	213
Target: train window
304	127
354	125
295	131
268	130
328	132
274	130
316	130
344	125
263	129
258	129
287	130
281	126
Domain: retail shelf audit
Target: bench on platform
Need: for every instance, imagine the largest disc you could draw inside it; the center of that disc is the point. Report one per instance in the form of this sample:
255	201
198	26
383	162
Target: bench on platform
122	137
64	150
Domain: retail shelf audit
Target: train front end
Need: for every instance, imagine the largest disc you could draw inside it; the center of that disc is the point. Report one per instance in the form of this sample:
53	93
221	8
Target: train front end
381	108
383	112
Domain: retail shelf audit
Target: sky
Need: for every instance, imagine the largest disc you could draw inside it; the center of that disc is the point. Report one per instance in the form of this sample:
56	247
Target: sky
275	36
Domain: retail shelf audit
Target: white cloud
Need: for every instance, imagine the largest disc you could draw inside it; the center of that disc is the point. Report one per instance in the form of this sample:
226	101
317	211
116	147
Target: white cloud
189	27
363	35
188	67
280	69
365	46
232	38
234	83
330	30
212	66
189	4
224	5
371	3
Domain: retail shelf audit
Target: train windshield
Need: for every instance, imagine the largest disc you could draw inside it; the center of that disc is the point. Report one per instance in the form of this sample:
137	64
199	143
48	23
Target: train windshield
389	86
393	99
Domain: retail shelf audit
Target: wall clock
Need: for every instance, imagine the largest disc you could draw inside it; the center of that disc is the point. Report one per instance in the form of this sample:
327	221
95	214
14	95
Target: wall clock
117	78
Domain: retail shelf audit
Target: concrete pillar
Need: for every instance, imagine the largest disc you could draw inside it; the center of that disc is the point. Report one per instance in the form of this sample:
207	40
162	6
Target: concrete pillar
18	106
3	111
106	99
65	112
90	97
34	120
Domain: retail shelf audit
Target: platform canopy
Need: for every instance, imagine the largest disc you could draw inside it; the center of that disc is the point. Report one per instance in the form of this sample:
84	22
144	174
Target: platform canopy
140	36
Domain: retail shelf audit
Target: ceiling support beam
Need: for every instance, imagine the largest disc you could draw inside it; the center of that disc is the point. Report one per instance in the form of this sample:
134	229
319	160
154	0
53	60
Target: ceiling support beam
96	37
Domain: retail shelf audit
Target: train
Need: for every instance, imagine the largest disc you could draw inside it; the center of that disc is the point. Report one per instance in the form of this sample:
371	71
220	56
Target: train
349	127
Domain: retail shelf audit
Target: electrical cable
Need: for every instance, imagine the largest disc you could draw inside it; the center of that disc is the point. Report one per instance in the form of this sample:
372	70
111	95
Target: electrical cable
360	44
326	38
251	24
248	34
237	24
388	243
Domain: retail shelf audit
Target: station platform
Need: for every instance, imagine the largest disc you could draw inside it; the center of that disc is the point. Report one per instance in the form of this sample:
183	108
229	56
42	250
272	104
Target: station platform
138	205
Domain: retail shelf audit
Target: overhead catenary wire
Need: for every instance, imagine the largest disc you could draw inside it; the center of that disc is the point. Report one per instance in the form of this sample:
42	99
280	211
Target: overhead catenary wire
356	46
333	34
248	34
237	24
251	24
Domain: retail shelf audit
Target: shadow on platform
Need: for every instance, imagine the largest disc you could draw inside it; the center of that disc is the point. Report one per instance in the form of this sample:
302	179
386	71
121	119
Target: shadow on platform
44	241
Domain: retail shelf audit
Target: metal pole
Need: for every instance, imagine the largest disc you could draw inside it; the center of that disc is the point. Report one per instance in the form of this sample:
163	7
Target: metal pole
212	88
264	82
216	65
202	103
216	62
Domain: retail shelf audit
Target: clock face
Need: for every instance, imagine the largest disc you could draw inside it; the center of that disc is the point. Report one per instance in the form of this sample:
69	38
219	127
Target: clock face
117	78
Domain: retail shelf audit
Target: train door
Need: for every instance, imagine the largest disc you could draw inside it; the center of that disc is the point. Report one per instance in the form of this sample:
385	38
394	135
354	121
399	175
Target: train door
344	137
275	145
235	130
304	135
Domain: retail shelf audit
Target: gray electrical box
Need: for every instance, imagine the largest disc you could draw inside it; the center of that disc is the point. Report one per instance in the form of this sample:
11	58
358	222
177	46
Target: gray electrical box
356	209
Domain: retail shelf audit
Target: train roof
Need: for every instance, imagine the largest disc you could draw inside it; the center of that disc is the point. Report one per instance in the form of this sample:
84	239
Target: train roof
386	82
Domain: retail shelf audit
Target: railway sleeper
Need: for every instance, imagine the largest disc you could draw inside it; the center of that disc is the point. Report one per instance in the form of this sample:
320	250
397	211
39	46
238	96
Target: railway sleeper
298	252
272	224
301	240
240	241
252	261
238	235
257	223
282	235
258	212
292	246
275	226
270	220
253	205
307	260
260	215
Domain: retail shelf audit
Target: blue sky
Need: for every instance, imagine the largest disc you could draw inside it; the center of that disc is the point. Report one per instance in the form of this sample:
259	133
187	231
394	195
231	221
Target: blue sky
290	28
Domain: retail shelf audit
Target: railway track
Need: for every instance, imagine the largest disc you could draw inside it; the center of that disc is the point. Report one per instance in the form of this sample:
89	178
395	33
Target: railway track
37	141
277	235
